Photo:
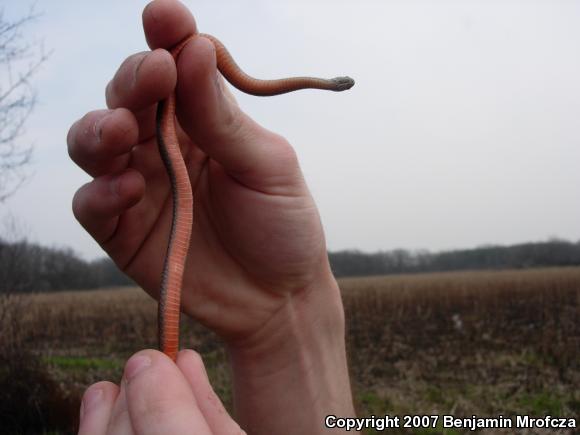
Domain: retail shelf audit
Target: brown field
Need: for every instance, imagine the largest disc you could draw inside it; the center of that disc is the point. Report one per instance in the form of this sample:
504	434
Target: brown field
483	343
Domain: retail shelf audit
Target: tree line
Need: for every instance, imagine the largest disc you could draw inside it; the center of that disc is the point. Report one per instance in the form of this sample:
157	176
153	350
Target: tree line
28	267
520	256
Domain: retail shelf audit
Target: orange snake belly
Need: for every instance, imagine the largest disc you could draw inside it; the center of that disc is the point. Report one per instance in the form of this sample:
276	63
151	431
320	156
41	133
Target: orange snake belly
182	195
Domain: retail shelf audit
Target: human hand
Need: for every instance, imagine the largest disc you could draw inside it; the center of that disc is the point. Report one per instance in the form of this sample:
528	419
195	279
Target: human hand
157	396
257	241
257	270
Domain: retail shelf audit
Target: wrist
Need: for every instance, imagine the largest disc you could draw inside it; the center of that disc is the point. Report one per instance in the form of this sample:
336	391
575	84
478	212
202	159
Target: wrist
297	360
315	311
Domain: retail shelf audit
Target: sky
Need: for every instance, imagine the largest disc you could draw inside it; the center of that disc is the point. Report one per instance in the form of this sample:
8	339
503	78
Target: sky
461	130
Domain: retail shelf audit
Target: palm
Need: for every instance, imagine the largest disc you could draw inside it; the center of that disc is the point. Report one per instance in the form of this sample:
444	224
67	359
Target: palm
246	243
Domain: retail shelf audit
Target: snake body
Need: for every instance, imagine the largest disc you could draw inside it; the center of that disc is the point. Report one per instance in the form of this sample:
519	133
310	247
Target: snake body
182	219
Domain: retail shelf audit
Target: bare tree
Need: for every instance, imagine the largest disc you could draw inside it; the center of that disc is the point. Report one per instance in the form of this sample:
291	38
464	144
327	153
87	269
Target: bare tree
19	61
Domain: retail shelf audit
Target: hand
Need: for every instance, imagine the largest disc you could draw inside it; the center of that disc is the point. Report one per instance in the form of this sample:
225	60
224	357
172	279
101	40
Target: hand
157	396
257	236
257	270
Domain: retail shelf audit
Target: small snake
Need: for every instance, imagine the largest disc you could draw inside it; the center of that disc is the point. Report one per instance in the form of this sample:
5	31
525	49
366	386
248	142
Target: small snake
172	277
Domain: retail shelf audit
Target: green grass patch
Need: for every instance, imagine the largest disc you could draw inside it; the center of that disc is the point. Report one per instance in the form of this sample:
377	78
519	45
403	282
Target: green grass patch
435	394
80	363
373	403
541	403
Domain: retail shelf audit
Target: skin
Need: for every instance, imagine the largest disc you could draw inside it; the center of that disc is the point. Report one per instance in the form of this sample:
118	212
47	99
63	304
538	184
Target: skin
257	272
186	405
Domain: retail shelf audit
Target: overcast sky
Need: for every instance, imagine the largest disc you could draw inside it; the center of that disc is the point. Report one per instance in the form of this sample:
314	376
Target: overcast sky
462	128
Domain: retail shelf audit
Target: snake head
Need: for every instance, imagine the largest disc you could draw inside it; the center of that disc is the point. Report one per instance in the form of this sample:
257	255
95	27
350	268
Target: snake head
342	83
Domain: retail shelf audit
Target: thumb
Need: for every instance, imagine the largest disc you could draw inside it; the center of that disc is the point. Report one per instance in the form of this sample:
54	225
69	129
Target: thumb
211	117
159	399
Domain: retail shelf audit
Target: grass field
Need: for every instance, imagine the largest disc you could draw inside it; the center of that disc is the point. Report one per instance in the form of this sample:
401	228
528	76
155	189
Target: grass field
483	343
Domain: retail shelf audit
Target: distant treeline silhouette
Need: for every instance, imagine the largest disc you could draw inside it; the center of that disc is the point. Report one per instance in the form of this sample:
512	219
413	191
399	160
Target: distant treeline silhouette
521	256
27	267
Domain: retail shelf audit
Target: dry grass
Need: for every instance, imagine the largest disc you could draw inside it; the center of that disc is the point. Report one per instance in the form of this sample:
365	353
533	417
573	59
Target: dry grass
484	343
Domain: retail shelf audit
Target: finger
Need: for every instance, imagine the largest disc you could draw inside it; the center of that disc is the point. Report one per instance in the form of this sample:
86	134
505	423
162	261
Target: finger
97	204
218	419
142	80
101	141
167	22
249	152
96	408
120	421
159	398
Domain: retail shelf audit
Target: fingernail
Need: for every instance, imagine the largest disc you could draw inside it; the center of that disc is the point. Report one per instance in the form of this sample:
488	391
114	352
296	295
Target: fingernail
90	399
135	365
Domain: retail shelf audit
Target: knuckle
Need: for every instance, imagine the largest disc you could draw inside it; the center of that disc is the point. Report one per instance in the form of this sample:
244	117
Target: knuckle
287	151
119	88
159	408
283	153
122	128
